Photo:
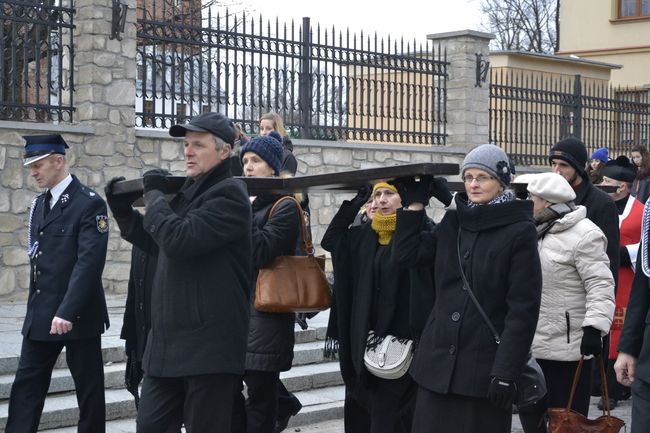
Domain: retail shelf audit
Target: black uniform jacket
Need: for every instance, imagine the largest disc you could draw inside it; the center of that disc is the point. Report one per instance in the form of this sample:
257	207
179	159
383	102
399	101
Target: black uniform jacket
457	353
67	266
200	295
601	210
270	335
635	338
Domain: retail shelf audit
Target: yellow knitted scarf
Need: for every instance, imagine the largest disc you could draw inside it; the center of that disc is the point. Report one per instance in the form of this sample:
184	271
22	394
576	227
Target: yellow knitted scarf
384	226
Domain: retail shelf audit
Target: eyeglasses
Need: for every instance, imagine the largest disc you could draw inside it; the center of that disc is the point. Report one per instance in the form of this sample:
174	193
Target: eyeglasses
479	179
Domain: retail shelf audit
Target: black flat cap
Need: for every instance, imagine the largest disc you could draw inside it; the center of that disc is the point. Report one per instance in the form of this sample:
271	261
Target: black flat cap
38	147
214	123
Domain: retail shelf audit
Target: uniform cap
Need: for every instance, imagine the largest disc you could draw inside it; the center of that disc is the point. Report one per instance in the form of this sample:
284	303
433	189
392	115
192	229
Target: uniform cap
38	147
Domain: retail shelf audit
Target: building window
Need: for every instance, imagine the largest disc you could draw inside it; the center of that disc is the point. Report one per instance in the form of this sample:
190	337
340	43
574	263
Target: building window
148	109
181	112
634	8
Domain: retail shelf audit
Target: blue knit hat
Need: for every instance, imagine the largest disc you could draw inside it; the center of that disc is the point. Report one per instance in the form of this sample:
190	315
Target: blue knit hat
601	154
267	148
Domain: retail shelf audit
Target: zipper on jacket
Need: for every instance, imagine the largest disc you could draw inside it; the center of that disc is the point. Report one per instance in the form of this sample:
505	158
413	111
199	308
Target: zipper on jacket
568	326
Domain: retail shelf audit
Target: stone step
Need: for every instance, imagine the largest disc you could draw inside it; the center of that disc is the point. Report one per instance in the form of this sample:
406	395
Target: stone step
60	412
305	354
113	349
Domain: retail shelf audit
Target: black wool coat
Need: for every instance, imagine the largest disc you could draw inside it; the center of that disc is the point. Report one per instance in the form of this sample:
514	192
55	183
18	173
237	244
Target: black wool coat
635	337
270	335
601	210
370	291
457	353
200	296
66	268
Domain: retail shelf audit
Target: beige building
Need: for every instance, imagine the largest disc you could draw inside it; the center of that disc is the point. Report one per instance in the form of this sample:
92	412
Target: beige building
610	31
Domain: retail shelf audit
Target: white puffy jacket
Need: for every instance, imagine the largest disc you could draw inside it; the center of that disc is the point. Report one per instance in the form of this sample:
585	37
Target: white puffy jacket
577	287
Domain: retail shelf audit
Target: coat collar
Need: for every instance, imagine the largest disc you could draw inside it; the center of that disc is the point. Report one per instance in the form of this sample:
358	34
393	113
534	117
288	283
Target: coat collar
191	188
492	216
64	200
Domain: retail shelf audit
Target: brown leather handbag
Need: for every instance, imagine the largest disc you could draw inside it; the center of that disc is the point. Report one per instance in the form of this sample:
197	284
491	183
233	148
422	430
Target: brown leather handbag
293	284
565	420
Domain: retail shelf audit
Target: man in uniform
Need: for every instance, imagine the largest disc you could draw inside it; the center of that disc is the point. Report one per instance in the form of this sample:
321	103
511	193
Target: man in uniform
195	350
68	235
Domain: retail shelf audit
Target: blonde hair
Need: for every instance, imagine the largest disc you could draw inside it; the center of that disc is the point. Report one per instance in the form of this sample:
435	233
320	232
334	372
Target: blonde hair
278	123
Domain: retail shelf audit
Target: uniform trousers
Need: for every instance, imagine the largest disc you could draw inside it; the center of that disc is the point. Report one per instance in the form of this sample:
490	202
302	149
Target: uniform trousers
37	359
640	406
203	403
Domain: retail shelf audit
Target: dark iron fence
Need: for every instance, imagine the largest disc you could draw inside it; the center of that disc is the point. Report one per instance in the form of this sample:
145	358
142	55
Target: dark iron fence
325	84
530	112
36	64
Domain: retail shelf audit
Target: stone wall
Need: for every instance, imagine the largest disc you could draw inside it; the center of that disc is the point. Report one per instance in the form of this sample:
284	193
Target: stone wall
152	149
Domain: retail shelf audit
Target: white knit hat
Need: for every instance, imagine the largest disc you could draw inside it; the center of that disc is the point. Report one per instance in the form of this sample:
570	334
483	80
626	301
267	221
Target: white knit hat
551	187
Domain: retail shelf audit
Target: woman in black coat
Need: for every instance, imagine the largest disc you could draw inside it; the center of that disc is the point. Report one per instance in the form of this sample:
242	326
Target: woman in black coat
270	335
371	294
466	380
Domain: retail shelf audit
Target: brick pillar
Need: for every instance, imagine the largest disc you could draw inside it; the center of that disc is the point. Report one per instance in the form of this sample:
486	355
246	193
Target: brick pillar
467	104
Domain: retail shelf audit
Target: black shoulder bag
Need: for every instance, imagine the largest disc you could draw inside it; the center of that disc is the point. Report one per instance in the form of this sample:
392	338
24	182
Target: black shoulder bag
531	385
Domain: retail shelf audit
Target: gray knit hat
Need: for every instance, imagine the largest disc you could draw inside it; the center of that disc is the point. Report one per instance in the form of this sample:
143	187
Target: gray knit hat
489	158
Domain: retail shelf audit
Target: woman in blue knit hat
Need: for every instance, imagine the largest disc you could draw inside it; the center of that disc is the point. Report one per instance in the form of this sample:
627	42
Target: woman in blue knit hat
596	163
270	335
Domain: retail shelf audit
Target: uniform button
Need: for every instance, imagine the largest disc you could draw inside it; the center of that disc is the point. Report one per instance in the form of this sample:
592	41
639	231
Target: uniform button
455	316
466	256
452	349
38	272
40	233
38	291
152	228
40	253
141	306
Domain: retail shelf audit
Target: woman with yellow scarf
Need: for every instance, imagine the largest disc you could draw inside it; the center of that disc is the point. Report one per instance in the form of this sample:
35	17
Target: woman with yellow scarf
372	297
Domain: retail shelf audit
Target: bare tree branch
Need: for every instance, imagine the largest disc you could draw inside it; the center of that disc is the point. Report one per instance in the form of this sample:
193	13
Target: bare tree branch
528	25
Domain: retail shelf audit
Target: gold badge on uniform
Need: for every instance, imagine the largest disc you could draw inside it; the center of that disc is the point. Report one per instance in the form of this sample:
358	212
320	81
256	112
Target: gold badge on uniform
102	223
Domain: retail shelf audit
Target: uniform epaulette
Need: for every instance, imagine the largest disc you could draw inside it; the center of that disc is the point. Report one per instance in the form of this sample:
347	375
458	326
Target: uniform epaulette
87	192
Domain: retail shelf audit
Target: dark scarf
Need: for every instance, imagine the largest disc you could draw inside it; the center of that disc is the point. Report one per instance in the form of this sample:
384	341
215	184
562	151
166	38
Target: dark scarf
546	218
505	197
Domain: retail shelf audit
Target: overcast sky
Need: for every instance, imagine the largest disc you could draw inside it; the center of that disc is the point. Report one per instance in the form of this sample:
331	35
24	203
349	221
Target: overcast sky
407	18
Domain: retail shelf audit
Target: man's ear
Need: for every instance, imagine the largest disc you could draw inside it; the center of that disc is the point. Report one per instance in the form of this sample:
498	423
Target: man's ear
225	151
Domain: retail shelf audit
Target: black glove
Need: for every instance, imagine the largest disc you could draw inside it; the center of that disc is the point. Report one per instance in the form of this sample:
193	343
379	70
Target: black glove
363	195
155	179
624	255
413	190
440	190
502	392
592	342
120	204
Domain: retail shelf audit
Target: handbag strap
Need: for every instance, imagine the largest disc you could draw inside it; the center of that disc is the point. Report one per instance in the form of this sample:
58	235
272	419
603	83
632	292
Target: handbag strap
603	385
307	244
467	287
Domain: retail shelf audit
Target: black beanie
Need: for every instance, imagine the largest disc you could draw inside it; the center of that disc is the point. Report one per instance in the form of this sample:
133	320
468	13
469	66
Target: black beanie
573	151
